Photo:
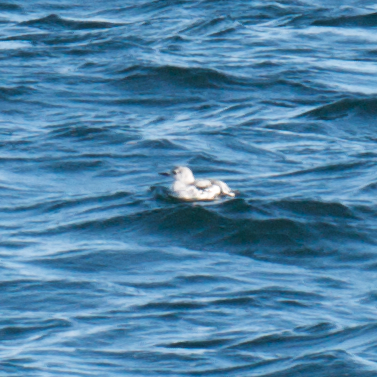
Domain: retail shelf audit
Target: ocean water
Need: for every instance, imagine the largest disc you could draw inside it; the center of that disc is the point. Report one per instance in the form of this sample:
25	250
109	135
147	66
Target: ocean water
103	273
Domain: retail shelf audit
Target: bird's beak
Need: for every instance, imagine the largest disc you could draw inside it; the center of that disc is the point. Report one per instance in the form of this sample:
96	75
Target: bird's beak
165	173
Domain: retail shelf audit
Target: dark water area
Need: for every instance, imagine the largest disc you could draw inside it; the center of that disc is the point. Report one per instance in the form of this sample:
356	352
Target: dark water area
103	273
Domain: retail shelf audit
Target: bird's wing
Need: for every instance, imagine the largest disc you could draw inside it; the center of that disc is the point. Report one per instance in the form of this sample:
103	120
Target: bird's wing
223	187
193	193
202	183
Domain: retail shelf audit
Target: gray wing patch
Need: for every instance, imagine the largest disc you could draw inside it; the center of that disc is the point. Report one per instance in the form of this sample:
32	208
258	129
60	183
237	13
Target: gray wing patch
202	183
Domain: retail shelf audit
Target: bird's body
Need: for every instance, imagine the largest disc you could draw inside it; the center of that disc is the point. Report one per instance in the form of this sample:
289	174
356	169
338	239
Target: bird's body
186	187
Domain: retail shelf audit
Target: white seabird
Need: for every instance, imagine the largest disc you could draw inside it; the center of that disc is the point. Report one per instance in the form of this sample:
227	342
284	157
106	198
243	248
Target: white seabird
186	187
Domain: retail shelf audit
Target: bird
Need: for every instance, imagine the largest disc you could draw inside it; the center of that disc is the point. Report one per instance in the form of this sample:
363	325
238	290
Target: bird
186	187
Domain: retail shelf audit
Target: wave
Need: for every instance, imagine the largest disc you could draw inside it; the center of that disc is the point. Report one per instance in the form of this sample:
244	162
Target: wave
200	344
168	100
74	166
329	169
369	187
53	22
10	7
144	79
108	257
43	327
344	107
295	232
365	20
215	27
197	77
331	363
92	132
80	201
327	339
79	132
7	92
159	144
316	209
255	298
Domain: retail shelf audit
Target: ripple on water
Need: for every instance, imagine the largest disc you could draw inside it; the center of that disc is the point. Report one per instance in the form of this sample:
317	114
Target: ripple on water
103	272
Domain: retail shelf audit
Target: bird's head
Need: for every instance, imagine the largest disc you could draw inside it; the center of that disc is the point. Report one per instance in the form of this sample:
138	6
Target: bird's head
182	174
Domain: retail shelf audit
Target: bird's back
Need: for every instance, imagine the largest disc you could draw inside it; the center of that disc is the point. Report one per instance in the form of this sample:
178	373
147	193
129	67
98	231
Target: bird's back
193	192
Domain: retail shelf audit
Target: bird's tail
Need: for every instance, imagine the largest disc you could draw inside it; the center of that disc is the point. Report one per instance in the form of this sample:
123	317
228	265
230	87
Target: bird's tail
225	190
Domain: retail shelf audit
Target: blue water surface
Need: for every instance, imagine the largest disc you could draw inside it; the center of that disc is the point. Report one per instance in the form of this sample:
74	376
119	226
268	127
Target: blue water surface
102	273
